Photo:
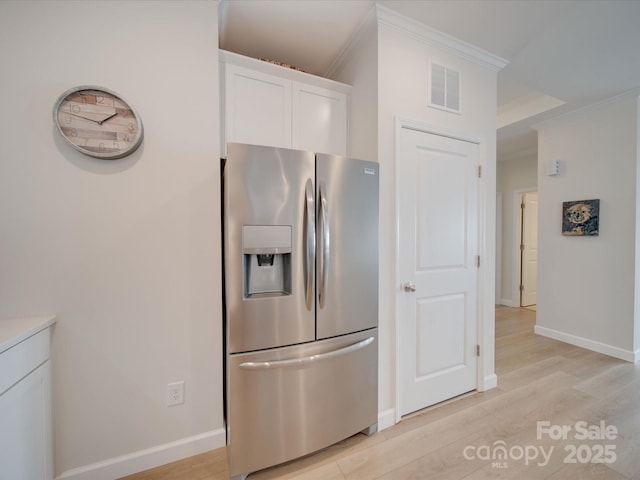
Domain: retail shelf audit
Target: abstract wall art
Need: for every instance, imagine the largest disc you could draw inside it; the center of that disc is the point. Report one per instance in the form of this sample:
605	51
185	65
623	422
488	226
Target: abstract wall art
581	218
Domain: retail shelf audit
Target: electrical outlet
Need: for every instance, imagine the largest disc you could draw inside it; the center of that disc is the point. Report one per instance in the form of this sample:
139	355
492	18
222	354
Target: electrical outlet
175	393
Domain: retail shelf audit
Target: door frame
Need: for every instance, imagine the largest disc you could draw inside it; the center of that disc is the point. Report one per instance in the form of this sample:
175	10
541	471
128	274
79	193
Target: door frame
516	269
485	377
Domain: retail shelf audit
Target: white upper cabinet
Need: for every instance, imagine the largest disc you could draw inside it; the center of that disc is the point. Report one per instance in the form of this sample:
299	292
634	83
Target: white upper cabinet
266	104
257	107
319	119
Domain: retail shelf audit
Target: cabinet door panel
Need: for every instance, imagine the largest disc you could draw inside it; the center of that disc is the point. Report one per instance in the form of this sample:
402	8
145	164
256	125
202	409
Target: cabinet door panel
257	107
319	119
25	436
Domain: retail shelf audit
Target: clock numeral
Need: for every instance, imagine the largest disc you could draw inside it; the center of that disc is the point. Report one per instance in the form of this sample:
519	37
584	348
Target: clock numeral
116	144
100	100
73	132
101	147
126	137
132	128
67	119
74	108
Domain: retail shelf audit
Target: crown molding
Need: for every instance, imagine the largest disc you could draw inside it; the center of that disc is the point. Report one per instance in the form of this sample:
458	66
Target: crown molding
568	115
366	22
438	39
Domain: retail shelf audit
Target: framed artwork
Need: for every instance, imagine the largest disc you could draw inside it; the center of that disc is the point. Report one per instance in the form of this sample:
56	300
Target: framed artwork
581	217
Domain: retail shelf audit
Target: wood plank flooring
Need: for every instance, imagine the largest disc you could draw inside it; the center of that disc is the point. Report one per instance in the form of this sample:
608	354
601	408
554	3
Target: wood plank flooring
490	435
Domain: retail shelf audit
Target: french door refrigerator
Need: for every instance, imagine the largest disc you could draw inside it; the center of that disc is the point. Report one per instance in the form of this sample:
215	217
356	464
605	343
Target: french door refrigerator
301	302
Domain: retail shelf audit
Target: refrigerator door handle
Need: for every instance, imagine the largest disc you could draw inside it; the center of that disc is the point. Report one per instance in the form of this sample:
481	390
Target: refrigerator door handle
310	243
293	362
323	250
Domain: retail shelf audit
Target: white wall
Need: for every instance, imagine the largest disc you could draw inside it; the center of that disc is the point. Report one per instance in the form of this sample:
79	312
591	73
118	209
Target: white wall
513	176
358	67
586	285
402	78
126	253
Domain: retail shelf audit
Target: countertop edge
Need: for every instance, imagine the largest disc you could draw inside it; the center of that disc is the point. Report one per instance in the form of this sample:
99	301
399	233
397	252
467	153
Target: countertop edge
16	330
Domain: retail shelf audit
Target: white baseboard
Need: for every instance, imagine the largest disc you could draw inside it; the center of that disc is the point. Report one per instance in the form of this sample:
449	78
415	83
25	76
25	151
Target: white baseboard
506	303
616	352
149	458
488	382
170	452
386	419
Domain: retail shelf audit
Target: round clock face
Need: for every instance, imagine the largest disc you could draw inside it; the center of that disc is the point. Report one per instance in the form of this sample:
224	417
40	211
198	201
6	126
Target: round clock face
98	122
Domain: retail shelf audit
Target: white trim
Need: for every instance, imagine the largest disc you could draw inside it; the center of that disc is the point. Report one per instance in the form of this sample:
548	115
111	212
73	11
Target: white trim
149	458
488	382
428	128
622	354
399	125
585	109
386	418
353	40
483	382
506	303
438	39
499	227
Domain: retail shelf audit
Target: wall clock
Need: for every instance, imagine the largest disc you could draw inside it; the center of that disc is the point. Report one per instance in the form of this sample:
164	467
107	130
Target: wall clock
98	122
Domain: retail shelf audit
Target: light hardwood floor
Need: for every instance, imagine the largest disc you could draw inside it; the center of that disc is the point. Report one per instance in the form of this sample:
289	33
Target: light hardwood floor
540	380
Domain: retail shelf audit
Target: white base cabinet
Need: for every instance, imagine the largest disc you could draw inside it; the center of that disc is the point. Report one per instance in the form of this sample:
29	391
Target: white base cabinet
266	104
26	451
25	416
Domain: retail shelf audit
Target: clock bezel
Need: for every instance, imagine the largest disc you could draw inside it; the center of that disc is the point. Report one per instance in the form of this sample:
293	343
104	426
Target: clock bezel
107	155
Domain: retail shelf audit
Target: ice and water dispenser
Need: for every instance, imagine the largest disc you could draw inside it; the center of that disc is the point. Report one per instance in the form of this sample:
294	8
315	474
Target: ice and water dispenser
267	260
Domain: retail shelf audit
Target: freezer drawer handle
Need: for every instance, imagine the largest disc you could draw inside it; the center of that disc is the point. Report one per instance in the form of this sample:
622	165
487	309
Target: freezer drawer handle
306	360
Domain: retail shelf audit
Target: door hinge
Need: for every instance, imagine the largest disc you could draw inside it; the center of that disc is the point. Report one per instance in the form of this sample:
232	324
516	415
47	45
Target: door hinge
522	246
479	171
522	206
478	261
521	288
477	350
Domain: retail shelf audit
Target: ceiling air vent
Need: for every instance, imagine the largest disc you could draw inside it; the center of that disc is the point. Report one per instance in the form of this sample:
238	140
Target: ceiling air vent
444	88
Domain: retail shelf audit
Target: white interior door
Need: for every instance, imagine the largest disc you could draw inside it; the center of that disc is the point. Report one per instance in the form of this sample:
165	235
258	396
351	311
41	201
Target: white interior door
529	249
438	246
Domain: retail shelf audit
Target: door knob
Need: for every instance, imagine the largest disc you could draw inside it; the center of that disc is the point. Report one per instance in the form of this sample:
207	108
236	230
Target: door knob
409	287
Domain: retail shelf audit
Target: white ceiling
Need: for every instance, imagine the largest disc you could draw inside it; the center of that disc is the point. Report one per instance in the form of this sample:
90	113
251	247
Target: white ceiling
562	54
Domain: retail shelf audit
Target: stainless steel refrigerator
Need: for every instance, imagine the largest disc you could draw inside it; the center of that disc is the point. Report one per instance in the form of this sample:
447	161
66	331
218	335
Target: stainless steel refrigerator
301	302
